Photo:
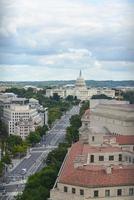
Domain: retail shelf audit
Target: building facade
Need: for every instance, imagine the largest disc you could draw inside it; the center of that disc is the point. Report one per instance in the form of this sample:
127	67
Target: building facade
80	90
21	119
101	164
117	119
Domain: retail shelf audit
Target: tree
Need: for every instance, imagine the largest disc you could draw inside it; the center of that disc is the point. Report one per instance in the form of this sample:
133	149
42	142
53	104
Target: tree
6	159
19	150
84	107
56	97
75	121
42	130
72	134
3	130
56	157
70	98
53	114
1	168
33	138
100	96
128	96
12	141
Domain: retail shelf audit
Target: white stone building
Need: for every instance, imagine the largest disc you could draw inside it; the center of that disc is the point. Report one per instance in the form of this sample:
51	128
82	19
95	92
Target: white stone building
116	118
80	90
96	102
99	166
97	169
21	119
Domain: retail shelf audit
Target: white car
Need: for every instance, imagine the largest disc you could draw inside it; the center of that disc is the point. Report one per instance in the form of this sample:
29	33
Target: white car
23	171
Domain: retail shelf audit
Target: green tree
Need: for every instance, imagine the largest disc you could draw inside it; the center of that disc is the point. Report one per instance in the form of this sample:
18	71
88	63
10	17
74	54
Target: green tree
33	138
56	97
53	114
101	96
70	98
128	96
12	141
42	130
6	159
19	150
75	121
84	107
72	134
1	168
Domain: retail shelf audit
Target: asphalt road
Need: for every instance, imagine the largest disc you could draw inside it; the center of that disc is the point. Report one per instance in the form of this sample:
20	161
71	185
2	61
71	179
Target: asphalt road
33	161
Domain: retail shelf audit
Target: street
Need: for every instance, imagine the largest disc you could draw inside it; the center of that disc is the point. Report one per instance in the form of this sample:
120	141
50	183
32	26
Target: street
33	162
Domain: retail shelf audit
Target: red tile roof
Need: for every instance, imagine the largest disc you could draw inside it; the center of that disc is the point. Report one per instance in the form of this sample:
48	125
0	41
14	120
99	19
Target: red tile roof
121	139
125	139
102	149
93	178
86	114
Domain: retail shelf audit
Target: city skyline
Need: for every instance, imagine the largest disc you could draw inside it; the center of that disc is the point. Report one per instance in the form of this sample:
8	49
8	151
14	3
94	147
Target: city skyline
43	40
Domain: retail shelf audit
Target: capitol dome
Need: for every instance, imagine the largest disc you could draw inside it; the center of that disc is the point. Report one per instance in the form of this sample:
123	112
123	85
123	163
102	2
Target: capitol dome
80	82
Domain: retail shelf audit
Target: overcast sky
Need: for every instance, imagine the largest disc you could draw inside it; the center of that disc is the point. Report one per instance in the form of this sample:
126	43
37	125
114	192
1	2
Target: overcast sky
54	39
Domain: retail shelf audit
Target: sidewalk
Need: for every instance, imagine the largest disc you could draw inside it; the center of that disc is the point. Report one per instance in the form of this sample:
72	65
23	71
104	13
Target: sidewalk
16	182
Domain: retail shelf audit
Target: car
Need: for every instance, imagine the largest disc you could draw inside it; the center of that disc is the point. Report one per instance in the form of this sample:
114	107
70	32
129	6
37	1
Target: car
2	190
23	171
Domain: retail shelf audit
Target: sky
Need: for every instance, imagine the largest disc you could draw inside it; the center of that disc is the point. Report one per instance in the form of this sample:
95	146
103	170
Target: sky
44	40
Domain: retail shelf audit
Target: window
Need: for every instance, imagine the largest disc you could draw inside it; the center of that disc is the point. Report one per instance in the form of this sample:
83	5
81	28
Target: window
96	193
120	157
119	192
86	124
107	193
101	158
65	189
111	158
73	190
131	191
81	192
92	158
92	138
129	159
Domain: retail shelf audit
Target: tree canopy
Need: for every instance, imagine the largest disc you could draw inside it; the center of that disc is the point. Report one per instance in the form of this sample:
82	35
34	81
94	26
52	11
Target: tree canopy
100	96
128	96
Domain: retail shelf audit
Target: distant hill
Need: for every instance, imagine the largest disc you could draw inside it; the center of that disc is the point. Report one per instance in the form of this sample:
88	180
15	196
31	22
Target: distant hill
90	83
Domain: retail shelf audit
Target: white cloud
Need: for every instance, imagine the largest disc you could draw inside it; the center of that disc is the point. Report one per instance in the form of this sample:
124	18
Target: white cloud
77	58
68	34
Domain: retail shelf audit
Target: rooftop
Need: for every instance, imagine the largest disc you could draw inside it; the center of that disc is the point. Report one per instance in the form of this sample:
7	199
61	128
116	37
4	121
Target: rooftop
121	139
87	177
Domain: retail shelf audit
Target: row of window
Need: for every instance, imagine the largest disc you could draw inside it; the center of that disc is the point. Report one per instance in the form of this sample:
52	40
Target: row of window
96	192
111	158
101	158
20	113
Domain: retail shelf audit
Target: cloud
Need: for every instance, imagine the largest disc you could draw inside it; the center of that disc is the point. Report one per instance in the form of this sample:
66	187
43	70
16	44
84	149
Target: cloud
67	34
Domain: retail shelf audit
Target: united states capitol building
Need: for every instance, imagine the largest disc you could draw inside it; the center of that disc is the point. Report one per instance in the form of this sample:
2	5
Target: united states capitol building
79	90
